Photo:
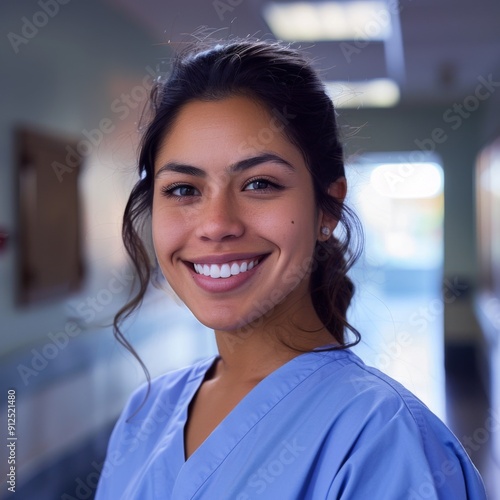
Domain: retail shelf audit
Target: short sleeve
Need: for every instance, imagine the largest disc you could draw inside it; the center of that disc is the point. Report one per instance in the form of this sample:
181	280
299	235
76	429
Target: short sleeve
406	454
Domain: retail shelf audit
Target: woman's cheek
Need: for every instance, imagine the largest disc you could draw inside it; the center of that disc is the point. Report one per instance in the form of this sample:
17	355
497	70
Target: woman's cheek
167	232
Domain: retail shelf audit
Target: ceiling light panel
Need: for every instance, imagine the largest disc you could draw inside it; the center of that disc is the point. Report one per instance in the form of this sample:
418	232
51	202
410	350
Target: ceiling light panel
318	21
376	93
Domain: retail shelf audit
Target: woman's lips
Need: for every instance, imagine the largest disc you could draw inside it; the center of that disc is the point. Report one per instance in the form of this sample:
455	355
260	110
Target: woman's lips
227	276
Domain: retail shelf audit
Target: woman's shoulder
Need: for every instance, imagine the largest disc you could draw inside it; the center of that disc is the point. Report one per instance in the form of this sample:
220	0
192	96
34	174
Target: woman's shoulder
366	383
375	408
367	394
374	412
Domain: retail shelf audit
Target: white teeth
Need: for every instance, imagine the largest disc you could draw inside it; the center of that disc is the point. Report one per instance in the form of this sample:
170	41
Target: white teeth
224	270
214	271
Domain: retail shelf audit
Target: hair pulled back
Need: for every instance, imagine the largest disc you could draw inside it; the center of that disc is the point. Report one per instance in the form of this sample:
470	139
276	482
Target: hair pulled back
282	80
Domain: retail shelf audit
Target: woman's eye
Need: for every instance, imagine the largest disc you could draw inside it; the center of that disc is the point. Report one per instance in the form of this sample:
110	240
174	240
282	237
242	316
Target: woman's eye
179	191
261	184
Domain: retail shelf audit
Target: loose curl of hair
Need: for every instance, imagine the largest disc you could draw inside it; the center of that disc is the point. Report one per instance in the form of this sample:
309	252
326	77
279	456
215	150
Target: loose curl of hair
283	81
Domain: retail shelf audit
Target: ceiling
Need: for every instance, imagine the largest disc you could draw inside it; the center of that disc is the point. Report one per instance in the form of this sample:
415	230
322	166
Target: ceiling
437	56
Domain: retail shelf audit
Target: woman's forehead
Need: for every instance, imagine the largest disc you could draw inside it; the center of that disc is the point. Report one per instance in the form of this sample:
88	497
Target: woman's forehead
224	132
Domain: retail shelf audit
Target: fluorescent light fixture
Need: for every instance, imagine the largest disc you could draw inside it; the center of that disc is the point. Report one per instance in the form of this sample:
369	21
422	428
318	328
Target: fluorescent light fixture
376	93
315	21
408	180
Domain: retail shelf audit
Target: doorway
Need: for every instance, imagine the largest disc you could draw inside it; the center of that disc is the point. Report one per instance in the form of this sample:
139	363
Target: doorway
398	306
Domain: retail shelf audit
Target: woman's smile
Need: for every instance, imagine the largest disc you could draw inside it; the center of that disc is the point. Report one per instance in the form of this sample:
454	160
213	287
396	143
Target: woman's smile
223	273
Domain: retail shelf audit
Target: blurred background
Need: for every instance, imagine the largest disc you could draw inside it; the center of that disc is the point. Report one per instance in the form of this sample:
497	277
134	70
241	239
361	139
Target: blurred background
417	86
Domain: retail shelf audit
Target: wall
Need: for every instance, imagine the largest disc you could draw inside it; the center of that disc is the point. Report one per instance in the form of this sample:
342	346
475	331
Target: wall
64	81
84	63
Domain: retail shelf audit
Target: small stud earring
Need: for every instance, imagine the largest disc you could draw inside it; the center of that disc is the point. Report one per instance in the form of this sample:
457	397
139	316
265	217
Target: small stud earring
325	231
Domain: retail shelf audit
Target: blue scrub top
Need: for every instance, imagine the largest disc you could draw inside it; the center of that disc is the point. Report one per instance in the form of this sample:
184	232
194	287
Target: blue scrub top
322	426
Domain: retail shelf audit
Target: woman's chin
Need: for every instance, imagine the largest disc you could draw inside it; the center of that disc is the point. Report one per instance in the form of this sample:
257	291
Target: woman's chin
229	323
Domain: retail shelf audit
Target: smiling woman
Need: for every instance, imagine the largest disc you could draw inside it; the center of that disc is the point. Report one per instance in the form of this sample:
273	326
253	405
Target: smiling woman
242	175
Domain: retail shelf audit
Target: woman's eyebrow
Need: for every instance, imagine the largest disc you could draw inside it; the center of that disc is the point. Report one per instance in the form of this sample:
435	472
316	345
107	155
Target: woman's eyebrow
181	168
257	160
239	166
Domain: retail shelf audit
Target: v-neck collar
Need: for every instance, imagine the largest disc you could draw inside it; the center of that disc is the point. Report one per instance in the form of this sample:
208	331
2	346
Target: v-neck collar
179	419
193	472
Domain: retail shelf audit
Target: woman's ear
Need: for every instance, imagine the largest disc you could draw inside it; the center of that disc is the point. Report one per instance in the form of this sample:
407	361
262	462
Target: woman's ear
337	190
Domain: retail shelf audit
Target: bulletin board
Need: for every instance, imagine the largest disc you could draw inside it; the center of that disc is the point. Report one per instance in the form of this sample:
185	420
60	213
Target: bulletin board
49	250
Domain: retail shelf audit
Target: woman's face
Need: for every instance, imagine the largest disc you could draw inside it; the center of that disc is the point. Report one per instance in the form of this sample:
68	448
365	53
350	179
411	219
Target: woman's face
234	217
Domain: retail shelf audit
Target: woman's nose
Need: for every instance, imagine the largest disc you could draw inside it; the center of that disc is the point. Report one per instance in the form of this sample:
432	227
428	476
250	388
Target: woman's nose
219	218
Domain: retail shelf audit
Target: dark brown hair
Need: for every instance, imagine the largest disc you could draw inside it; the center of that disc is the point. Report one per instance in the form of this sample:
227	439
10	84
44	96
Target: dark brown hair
281	79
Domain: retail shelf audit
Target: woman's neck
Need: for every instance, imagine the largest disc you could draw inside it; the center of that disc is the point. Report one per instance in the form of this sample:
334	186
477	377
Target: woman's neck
253	352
